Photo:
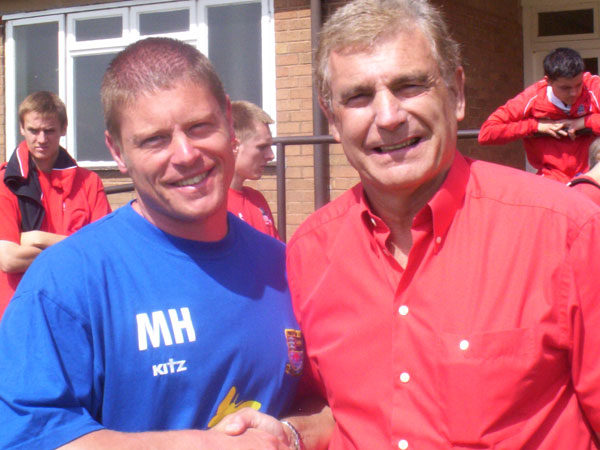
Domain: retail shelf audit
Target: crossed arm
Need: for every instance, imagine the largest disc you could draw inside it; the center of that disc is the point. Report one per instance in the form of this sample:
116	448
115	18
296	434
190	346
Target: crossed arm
16	258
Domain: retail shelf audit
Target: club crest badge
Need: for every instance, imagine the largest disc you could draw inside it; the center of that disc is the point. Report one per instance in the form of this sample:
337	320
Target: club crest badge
295	346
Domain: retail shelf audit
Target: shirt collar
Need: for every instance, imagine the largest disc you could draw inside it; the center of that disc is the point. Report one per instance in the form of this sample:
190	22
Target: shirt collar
440	209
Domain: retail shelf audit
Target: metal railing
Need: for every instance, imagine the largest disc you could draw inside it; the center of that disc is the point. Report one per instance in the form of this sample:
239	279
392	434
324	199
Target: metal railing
281	143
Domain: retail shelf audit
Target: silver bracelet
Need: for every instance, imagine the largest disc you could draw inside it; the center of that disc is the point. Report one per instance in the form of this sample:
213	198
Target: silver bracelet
298	445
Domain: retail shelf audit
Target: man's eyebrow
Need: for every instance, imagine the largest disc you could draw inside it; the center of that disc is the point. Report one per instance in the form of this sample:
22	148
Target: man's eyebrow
354	90
416	78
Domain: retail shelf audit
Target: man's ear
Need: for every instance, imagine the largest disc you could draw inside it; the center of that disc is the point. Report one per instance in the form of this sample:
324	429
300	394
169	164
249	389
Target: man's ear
325	107
229	117
115	151
459	82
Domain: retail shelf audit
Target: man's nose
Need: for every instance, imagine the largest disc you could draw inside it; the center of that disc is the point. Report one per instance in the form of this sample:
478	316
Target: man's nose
389	111
183	151
269	155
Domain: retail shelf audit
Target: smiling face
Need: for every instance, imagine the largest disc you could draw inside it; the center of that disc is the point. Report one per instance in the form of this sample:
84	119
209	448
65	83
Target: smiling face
254	153
567	89
177	147
42	132
394	115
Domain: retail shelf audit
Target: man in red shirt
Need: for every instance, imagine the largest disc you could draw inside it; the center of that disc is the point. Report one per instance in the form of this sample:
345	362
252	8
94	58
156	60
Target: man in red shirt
252	154
44	195
445	302
548	116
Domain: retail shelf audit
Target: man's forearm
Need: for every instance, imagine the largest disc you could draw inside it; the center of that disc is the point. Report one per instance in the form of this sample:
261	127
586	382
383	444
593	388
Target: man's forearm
188	439
40	239
15	258
313	420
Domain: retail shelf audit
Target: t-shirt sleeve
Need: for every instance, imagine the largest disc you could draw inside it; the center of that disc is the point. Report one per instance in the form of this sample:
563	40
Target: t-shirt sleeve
48	379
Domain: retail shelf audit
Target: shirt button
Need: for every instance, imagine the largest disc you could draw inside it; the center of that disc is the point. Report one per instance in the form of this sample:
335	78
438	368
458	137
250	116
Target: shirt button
438	240
403	310
404	377
402	444
464	344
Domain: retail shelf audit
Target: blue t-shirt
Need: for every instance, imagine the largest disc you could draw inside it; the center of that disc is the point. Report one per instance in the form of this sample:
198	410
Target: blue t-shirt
123	326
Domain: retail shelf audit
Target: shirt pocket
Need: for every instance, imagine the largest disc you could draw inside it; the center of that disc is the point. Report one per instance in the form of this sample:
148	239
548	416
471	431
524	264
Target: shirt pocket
482	379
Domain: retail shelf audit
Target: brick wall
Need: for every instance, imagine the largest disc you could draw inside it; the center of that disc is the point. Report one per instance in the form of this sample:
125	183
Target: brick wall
490	34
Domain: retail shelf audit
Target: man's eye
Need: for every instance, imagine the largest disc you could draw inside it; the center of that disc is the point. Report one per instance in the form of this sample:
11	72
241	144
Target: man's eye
410	90
199	130
154	141
355	100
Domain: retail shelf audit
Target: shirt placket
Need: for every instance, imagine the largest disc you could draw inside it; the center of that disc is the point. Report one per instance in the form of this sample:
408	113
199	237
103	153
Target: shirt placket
408	377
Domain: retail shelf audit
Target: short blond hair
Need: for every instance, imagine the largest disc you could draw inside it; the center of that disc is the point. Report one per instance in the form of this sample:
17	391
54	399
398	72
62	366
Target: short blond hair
149	65
245	116
45	103
360	24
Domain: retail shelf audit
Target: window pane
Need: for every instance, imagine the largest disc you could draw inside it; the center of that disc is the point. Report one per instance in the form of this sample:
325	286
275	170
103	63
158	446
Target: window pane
234	47
559	23
164	22
36	60
88	119
591	65
104	28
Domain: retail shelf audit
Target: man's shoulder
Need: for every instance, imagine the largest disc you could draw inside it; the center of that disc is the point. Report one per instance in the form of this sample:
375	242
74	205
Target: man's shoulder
514	188
253	194
329	218
86	174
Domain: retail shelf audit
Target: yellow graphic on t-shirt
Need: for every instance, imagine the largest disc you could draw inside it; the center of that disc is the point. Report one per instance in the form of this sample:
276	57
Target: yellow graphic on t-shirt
229	405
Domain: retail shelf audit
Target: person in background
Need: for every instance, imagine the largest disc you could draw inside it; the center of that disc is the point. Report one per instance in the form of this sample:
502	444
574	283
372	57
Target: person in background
558	117
168	323
252	154
445	302
589	183
44	195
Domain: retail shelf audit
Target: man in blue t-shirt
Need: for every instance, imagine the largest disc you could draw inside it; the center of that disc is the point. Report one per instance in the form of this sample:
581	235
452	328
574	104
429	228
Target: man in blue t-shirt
149	327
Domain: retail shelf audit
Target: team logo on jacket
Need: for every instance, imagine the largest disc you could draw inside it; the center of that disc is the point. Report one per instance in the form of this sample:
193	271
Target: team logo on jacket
295	346
581	110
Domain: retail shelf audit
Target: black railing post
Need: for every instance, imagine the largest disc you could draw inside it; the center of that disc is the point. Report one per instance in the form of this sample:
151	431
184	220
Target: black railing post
281	197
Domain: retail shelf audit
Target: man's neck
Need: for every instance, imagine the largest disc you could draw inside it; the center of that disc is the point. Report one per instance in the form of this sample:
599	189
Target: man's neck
237	183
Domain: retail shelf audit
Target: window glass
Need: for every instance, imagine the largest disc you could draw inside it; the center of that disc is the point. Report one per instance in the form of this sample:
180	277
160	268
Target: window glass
234	47
591	65
88	119
164	22
36	50
104	28
560	23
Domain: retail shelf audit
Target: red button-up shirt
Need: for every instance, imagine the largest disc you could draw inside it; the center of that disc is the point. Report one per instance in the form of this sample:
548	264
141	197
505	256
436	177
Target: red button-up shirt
489	338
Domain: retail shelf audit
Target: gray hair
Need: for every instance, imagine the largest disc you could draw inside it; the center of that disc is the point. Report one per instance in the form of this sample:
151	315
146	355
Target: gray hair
360	24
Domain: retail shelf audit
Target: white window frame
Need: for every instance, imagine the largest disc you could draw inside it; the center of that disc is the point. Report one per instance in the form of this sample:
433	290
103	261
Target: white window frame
535	47
11	119
69	48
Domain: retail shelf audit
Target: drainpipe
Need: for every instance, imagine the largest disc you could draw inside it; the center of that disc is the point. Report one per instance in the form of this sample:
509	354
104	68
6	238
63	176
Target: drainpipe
321	151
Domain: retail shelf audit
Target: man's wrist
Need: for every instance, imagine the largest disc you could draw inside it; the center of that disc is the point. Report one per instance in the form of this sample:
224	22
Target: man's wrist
297	443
